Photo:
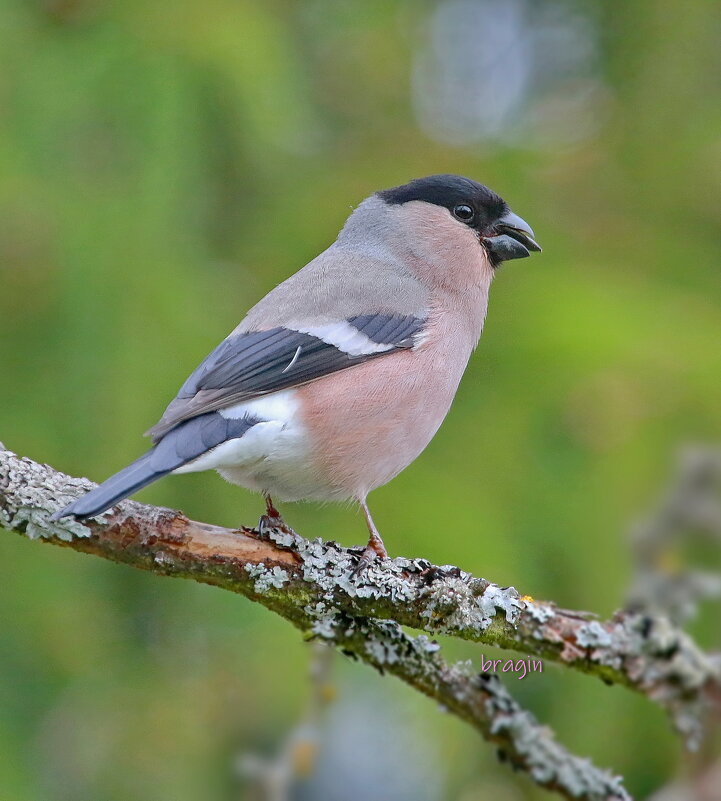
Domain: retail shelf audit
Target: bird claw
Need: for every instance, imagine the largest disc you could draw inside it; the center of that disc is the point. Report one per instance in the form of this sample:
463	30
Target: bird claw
373	552
266	524
365	560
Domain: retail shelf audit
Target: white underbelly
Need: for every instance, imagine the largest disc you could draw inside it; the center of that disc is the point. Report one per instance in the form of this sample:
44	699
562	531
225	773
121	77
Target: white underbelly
272	456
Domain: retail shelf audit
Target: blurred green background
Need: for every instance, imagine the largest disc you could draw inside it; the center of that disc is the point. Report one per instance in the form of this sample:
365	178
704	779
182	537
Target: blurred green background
162	166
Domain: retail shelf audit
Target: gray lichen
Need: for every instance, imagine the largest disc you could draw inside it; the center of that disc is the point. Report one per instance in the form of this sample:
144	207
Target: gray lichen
364	615
548	762
324	619
383	652
31	492
662	662
329	568
541	613
592	635
275	577
453	605
267	577
506	599
450	604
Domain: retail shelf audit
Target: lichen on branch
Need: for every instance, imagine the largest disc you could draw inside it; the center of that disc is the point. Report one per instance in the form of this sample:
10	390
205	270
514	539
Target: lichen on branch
311	583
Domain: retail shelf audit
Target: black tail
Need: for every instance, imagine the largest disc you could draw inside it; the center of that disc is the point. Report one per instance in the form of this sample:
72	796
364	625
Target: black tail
184	443
129	480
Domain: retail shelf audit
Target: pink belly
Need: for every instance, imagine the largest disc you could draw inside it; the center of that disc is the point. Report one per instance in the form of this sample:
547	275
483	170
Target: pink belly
371	421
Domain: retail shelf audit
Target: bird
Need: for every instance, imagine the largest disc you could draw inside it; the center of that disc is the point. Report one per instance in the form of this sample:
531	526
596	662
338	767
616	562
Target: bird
341	375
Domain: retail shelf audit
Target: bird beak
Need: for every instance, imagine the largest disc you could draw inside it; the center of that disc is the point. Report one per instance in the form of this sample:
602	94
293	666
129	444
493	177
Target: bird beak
515	239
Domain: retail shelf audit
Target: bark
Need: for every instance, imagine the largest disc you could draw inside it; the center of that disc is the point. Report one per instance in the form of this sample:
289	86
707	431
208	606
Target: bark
311	584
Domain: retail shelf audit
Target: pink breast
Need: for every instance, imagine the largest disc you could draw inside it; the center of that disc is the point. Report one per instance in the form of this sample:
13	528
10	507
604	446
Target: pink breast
369	422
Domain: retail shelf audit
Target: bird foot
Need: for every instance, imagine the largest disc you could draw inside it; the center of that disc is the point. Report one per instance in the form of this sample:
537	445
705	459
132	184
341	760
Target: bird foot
272	519
268	523
375	550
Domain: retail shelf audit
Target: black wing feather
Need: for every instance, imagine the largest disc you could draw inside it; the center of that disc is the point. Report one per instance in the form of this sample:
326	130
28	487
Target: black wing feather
247	365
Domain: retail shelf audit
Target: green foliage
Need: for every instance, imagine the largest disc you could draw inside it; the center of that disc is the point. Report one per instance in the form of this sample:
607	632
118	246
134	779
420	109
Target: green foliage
163	166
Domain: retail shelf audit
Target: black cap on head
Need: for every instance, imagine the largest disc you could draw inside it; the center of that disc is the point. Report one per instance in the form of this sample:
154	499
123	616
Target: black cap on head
468	201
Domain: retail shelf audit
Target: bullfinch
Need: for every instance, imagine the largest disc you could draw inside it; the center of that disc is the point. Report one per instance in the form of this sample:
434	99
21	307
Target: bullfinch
340	376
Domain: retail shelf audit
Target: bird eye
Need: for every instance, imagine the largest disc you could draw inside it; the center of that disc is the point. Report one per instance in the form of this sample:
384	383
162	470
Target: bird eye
463	213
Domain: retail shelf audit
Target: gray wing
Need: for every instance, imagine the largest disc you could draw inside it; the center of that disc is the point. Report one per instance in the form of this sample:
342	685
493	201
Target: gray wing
253	363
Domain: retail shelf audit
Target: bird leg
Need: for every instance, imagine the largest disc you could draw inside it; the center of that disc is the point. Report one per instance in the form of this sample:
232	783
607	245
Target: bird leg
270	509
375	549
272	517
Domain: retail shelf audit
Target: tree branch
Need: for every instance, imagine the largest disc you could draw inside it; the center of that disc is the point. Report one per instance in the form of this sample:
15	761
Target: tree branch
309	583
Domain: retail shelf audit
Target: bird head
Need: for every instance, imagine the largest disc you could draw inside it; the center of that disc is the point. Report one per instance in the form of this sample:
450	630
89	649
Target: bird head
447	209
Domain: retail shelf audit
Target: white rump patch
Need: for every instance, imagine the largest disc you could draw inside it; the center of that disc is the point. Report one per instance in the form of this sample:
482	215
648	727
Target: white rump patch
272	455
249	449
281	406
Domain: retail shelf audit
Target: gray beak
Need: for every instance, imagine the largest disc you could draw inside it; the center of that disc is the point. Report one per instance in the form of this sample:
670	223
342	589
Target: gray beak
515	239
